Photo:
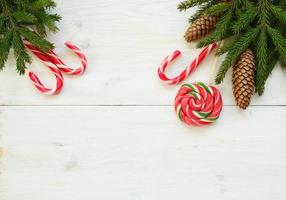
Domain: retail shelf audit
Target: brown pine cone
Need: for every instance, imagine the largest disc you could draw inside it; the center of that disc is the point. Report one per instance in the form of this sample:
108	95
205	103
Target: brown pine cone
243	79
201	27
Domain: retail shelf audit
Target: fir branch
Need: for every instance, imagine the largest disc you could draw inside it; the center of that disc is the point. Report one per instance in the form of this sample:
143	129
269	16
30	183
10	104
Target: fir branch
256	24
185	5
282	3
23	4
43	4
279	41
262	51
22	57
279	13
263	8
262	62
221	31
35	39
238	5
241	44
270	66
2	23
45	20
49	20
5	45
227	46
25	19
217	9
244	20
201	10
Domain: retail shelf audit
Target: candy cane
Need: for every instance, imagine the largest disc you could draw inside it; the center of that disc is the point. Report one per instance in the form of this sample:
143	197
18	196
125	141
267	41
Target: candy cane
63	67
198	104
189	69
48	91
57	73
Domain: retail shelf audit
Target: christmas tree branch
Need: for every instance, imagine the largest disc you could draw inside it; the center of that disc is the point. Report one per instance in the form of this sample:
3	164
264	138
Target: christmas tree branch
241	44
25	20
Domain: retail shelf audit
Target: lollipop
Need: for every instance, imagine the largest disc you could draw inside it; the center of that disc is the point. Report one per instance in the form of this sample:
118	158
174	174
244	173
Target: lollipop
198	104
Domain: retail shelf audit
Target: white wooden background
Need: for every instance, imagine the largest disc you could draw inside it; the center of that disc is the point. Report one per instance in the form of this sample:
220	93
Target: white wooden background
113	135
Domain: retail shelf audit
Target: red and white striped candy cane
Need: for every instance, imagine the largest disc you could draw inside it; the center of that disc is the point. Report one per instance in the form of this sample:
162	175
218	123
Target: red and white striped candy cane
63	67
189	69
57	73
48	91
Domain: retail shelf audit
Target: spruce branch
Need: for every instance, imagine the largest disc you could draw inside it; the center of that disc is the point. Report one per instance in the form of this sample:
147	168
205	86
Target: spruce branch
201	11
22	57
262	62
35	39
221	31
23	17
263	8
241	44
25	20
2	24
217	9
279	13
244	20
227	46
5	46
279	41
185	5
270	66
256	24
43	4
282	3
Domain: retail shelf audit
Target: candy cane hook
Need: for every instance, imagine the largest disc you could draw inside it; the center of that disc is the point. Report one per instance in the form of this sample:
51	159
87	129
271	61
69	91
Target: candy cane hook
35	79
48	91
189	69
63	67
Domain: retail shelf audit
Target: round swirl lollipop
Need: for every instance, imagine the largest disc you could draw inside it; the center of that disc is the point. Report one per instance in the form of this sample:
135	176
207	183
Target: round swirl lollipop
198	104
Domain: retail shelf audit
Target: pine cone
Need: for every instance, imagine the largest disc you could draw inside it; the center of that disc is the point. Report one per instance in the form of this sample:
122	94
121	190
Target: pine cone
243	79
201	27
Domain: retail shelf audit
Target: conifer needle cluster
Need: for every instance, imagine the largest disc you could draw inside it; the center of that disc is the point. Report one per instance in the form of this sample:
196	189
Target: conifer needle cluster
25	20
258	25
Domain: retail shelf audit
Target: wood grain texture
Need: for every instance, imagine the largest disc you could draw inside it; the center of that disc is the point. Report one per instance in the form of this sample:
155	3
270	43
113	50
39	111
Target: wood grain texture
140	157
113	134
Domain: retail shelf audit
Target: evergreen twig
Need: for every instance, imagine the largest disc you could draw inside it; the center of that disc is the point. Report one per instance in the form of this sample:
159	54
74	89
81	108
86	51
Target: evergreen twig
256	24
25	20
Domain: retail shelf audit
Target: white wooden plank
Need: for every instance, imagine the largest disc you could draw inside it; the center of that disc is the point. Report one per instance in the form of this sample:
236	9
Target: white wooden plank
140	153
125	41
